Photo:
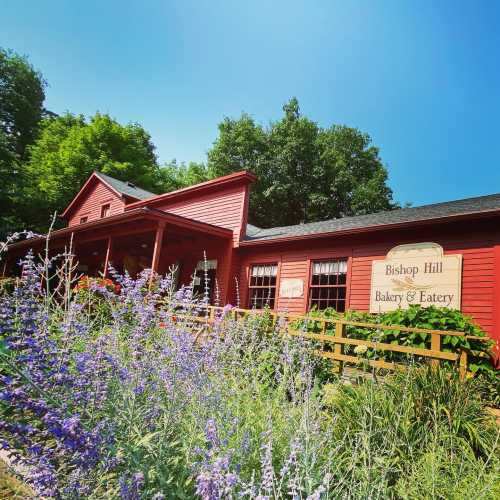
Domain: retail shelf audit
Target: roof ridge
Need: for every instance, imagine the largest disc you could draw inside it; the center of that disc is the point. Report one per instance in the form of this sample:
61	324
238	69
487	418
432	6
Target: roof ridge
130	188
241	175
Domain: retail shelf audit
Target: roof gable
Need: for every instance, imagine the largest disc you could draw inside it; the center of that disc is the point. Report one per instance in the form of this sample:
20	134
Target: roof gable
119	188
125	188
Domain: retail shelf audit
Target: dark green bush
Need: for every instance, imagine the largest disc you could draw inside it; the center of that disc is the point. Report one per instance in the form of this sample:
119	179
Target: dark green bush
7	285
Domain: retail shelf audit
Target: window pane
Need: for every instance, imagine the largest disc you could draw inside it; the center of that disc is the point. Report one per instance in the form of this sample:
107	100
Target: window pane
328	284
262	286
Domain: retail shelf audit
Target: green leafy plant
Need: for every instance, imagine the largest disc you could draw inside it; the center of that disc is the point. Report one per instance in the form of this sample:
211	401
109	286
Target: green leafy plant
431	318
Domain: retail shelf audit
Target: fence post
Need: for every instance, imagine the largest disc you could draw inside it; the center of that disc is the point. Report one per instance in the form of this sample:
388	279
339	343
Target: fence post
323	332
323	328
339	348
463	365
435	346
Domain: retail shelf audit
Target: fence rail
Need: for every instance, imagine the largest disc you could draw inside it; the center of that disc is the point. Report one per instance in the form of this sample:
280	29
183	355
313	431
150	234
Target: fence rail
338	339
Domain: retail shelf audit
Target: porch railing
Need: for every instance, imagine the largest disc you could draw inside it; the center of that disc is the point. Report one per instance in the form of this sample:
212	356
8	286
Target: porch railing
334	343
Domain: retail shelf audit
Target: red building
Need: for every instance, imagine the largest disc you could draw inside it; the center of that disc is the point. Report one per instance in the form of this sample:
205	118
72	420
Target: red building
451	252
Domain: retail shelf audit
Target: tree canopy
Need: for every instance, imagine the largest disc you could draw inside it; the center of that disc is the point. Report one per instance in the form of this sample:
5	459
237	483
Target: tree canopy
70	148
21	101
174	175
305	173
21	109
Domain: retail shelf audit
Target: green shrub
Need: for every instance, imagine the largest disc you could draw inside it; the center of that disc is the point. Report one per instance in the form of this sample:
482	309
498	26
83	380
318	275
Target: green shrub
432	318
7	285
441	474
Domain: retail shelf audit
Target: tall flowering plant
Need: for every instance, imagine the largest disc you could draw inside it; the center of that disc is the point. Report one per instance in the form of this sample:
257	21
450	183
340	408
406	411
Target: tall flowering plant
140	399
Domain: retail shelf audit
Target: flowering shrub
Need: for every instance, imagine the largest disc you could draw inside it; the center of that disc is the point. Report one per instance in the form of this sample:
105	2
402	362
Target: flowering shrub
140	401
86	283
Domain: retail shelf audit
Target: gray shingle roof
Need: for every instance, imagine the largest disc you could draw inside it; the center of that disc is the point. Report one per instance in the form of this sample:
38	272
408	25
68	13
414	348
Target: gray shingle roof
413	214
253	230
126	188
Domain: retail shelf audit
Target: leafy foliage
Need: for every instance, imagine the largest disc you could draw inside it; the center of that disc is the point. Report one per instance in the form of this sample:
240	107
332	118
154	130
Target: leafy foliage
21	109
305	173
176	176
432	318
70	148
21	101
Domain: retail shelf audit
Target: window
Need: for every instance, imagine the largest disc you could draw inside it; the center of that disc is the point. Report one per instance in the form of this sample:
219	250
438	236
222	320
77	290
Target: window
105	209
83	220
262	287
328	285
205	279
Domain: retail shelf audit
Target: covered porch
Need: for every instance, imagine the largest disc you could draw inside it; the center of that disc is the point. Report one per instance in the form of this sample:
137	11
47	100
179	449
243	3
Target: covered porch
141	239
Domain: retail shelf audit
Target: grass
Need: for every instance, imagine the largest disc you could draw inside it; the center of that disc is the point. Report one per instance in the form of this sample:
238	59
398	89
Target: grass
11	486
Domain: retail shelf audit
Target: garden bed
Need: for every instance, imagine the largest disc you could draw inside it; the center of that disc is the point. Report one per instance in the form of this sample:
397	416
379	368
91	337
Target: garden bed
108	394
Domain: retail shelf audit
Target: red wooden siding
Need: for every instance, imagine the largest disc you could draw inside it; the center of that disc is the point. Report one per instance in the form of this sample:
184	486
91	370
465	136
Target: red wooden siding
291	264
480	274
90	203
496	297
477	279
222	208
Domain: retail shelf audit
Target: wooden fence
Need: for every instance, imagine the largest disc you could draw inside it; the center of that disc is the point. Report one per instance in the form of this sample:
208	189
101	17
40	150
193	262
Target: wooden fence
338	339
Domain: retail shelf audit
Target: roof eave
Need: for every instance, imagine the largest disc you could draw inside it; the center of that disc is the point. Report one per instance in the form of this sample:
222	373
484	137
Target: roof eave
234	178
369	229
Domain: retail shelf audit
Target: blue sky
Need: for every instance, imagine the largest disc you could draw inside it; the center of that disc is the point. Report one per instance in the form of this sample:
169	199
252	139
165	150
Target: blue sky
421	77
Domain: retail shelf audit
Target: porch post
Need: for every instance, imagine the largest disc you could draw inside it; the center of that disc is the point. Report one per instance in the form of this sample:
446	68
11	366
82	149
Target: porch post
4	267
226	278
70	263
109	249
156	250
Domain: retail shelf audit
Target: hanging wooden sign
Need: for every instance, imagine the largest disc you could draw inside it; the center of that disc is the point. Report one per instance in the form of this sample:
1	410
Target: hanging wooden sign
291	288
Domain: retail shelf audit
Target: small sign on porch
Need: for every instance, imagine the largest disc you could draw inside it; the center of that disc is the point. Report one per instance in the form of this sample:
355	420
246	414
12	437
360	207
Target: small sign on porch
418	273
291	288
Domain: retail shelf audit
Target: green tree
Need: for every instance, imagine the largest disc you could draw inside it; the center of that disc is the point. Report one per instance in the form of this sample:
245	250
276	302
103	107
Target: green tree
176	176
69	148
21	109
305	173
21	101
